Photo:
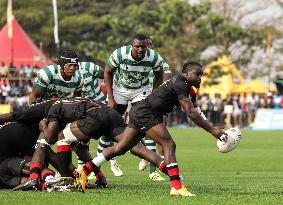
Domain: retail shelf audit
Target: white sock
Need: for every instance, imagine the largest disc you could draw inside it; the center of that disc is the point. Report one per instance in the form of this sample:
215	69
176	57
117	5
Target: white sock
99	159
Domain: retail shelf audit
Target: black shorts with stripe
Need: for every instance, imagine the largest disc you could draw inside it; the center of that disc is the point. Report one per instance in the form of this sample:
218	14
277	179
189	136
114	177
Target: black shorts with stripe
104	121
142	117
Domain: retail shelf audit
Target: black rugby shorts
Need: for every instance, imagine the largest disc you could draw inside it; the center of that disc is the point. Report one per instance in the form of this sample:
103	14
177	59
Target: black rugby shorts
142	117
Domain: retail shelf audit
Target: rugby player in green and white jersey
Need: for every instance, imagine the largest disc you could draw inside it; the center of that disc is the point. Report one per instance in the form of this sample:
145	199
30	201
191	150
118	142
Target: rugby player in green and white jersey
91	89
127	77
127	73
58	80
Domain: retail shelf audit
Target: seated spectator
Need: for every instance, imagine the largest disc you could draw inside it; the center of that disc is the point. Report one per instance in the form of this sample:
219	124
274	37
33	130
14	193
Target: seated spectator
12	69
15	90
5	88
3	70
20	71
269	100
28	71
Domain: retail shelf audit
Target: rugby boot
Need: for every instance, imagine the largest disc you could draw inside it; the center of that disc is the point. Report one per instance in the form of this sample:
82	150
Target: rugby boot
32	184
180	192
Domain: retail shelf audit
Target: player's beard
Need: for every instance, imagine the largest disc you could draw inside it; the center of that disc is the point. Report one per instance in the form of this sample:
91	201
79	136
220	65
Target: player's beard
140	56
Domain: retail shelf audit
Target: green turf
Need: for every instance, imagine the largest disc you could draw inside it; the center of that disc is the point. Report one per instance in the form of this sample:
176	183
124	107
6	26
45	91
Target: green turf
251	174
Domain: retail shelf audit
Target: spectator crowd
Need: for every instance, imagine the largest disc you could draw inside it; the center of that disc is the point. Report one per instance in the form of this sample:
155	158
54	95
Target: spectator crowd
234	110
16	84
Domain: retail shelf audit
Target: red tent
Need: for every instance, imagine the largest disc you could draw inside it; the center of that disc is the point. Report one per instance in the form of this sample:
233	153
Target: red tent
23	51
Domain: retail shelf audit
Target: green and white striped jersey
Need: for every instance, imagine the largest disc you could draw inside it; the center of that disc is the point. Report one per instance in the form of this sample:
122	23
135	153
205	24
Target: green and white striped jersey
91	88
129	73
50	80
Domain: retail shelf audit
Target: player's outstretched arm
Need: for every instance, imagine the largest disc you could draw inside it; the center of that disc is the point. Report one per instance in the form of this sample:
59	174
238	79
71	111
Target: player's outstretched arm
188	107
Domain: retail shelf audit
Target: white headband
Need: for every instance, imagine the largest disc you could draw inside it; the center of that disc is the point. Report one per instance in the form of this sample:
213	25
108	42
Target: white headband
71	60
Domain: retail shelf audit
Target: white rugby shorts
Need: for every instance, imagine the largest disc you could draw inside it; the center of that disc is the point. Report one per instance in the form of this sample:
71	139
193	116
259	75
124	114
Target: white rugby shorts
123	96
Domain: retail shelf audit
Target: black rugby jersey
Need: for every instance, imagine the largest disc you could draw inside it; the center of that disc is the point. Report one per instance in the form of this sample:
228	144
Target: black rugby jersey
33	114
16	139
66	111
167	96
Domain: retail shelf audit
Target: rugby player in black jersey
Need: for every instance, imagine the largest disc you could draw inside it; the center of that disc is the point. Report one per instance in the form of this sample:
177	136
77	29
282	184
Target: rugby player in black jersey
80	120
146	117
15	154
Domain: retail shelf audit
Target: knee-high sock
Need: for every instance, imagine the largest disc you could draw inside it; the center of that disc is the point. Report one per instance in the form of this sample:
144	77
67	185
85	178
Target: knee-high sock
94	166
102	144
173	172
163	168
35	170
37	164
151	145
65	159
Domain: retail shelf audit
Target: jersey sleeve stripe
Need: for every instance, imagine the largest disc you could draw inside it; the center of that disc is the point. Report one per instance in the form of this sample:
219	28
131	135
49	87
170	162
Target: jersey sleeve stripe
128	49
119	55
79	82
154	59
113	60
148	52
48	73
98	70
87	66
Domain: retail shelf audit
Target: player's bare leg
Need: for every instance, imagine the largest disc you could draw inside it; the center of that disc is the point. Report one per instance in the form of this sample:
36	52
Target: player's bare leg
128	139
160	134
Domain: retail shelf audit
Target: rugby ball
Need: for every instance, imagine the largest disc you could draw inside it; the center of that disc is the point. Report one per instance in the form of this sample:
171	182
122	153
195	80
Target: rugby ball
233	140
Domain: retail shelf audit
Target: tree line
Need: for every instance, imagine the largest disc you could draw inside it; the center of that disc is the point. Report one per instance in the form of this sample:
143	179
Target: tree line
180	31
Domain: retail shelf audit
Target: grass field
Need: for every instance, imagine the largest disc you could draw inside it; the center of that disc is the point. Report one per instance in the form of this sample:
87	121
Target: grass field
251	174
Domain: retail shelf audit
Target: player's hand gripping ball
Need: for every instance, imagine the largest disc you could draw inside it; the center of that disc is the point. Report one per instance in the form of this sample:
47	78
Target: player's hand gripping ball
233	139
